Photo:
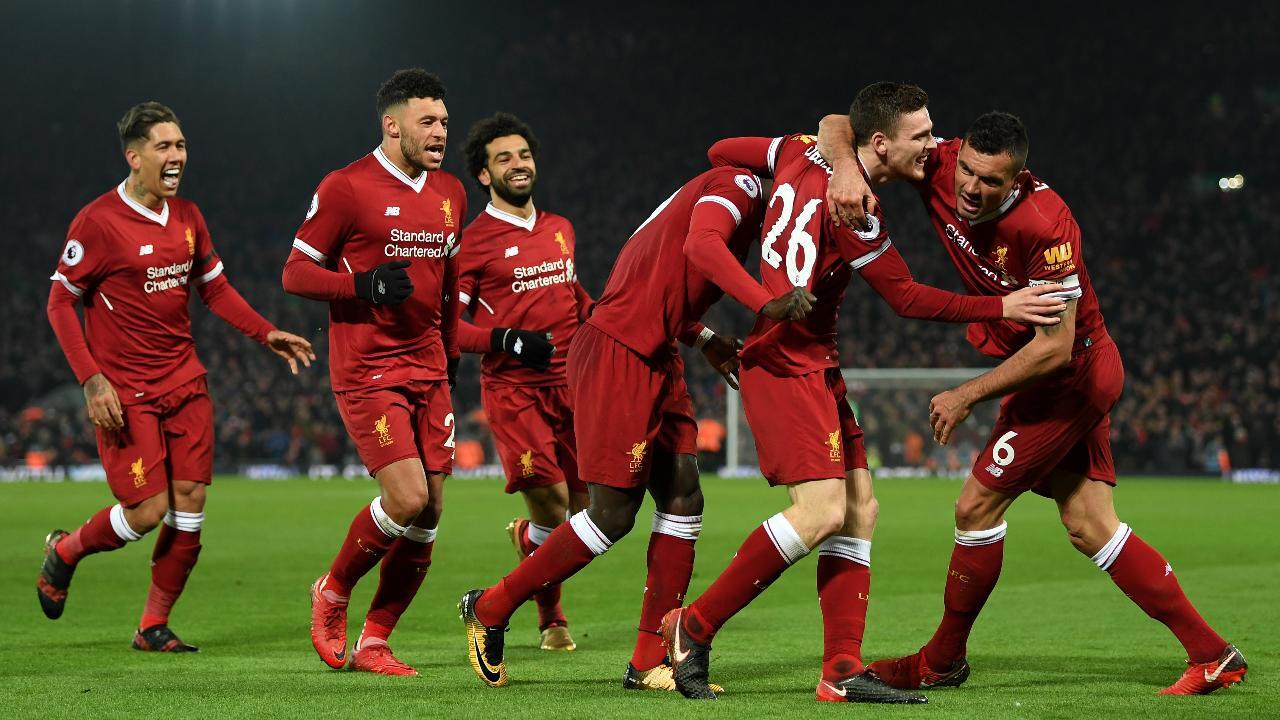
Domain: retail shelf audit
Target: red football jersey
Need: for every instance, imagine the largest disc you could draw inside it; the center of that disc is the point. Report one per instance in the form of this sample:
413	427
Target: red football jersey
362	216
654	294
133	269
802	247
1032	238
518	273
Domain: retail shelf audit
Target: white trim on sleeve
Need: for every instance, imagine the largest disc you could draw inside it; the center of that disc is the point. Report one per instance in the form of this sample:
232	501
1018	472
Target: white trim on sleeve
726	204
464	297
861	262
309	251
66	284
772	155
215	272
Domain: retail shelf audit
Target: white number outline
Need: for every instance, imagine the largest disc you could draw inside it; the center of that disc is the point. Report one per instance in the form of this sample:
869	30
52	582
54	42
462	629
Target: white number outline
1002	445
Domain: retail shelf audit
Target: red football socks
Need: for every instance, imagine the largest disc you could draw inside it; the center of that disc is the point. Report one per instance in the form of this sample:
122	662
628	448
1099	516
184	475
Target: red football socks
844	586
670	563
1144	575
974	570
96	535
564	553
548	601
767	552
364	546
172	559
404	567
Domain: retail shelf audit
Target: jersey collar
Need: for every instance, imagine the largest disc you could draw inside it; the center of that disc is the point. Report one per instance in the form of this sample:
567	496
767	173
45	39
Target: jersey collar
1004	207
398	174
516	220
161	217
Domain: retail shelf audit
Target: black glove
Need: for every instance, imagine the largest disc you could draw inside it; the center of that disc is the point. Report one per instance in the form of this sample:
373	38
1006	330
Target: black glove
532	349
387	284
451	367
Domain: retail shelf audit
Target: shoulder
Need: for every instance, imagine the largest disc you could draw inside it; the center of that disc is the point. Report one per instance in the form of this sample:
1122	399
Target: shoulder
184	208
480	229
94	216
446	183
1043	212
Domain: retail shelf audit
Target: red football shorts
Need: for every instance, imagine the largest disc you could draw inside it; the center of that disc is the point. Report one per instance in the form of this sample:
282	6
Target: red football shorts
803	426
623	408
412	419
169	437
1063	423
533	431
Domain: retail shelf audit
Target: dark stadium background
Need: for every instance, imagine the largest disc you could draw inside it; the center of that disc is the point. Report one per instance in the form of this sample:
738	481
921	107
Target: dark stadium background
1135	112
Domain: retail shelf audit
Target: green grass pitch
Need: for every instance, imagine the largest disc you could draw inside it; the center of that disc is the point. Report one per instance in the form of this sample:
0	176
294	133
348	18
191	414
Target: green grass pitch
1057	639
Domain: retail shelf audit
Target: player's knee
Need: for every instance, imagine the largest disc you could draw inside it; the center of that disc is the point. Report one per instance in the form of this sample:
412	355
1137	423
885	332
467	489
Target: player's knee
404	504
615	523
864	513
147	515
973	514
1086	534
687	504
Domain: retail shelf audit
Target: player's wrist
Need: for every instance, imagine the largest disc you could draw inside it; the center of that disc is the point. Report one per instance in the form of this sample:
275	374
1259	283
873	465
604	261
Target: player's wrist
704	336
497	339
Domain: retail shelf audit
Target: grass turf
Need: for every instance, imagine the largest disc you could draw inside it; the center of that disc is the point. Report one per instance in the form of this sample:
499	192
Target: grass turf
1056	640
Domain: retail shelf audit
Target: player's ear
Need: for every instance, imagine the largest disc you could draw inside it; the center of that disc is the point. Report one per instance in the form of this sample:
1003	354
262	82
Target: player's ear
484	178
390	127
133	158
1022	176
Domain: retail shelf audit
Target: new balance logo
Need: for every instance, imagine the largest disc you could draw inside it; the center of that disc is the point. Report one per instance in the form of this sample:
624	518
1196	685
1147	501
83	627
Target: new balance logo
393	211
995	470
145	250
512	251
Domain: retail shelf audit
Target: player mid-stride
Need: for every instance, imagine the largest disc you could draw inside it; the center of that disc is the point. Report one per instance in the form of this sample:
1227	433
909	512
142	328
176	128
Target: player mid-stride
1003	230
378	244
131	258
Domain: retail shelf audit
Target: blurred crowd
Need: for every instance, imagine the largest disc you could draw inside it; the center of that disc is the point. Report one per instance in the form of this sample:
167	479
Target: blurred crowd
1186	272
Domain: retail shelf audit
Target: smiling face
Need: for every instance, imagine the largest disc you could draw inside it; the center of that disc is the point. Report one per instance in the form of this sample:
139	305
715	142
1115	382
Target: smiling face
983	181
422	127
158	161
908	149
509	169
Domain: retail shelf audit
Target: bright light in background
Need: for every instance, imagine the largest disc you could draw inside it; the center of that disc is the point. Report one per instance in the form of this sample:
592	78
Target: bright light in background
1230	184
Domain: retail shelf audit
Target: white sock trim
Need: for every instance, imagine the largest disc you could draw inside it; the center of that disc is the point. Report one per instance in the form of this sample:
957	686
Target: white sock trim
121	526
184	521
785	538
589	534
538	533
848	548
384	522
420	534
685	527
1109	552
974	538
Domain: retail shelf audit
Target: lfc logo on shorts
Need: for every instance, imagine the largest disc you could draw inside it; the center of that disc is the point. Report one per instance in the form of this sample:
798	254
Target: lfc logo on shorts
139	473
833	442
383	430
564	244
526	464
191	243
637	455
446	207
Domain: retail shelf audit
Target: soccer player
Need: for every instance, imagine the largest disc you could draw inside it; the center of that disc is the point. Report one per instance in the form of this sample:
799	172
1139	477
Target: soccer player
379	243
132	257
633	416
517	279
806	435
1005	229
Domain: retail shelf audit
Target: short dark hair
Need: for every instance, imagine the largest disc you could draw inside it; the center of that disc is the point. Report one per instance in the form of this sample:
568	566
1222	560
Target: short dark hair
878	107
408	83
137	122
1000	132
486	131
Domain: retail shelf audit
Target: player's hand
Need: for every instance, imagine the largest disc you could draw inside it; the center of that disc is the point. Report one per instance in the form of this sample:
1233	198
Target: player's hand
793	304
532	349
293	348
451	368
946	411
103	403
722	352
387	284
1032	306
849	199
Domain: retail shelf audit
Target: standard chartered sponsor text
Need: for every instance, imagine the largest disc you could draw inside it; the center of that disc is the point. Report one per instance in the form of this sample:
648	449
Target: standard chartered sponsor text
544	274
166	277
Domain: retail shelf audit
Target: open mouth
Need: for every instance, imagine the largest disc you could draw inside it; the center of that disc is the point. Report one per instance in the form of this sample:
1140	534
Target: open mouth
434	153
521	179
170	177
969	204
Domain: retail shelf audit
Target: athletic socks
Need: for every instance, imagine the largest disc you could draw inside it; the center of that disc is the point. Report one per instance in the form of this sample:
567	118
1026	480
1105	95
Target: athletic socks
670	563
767	552
370	537
106	530
548	600
175	554
404	567
1144	575
568	549
972	575
844	585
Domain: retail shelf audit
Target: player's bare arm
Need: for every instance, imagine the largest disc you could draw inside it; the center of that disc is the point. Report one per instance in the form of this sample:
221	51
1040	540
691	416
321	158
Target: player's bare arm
849	197
103	403
1048	352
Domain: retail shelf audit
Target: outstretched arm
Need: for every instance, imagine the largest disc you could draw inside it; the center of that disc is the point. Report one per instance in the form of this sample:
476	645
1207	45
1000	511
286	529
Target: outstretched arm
228	304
